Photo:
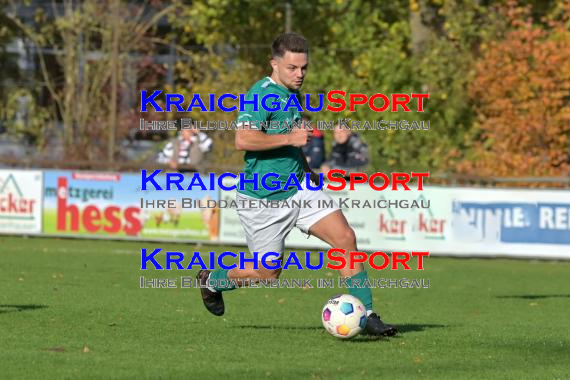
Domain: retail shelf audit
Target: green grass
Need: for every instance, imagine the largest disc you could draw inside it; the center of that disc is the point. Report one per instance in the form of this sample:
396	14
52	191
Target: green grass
74	309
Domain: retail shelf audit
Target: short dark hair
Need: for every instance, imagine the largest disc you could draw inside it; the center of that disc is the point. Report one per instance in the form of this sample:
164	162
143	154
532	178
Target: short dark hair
293	42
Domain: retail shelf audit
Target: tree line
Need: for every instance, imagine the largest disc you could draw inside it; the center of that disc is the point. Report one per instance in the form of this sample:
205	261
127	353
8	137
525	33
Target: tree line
498	73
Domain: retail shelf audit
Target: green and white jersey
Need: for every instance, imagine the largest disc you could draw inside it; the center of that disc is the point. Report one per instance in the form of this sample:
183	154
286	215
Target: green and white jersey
282	161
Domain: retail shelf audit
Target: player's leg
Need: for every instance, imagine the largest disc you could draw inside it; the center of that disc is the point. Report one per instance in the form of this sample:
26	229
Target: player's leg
331	226
335	230
252	272
213	284
229	279
265	231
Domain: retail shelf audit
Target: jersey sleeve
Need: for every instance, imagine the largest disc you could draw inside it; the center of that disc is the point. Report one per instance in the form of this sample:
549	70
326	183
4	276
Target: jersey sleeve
253	117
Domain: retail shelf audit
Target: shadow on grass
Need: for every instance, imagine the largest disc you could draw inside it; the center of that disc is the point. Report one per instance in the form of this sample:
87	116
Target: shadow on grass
4	308
535	296
414	327
402	330
265	327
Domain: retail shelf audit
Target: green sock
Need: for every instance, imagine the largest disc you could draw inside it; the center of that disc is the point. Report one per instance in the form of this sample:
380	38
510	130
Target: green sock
363	293
222	283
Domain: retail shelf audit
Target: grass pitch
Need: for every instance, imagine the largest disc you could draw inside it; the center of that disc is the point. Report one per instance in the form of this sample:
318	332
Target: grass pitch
74	309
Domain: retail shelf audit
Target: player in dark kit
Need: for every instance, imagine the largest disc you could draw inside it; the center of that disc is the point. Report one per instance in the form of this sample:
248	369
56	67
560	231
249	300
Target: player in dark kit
279	150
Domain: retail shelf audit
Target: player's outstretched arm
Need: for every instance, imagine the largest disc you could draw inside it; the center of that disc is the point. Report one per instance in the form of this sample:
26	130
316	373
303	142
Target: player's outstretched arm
255	140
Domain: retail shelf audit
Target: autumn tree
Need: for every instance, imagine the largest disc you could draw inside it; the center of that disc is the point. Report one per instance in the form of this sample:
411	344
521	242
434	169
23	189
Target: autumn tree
93	44
356	46
521	92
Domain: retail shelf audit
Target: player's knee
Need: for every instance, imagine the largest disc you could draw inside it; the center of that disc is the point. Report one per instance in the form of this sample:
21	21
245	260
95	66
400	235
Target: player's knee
346	238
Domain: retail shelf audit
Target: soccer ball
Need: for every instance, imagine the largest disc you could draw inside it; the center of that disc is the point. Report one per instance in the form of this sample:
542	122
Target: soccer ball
344	316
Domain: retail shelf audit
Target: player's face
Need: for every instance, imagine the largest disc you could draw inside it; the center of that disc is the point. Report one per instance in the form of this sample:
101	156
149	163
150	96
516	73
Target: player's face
291	69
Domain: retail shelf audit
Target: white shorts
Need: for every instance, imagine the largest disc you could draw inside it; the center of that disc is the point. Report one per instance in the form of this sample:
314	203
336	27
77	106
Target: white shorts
266	228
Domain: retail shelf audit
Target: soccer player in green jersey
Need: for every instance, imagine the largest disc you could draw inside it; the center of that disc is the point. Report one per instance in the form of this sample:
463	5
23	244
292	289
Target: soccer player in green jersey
278	150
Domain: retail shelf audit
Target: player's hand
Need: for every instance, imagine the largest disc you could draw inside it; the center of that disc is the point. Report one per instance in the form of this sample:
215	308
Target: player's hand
299	137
